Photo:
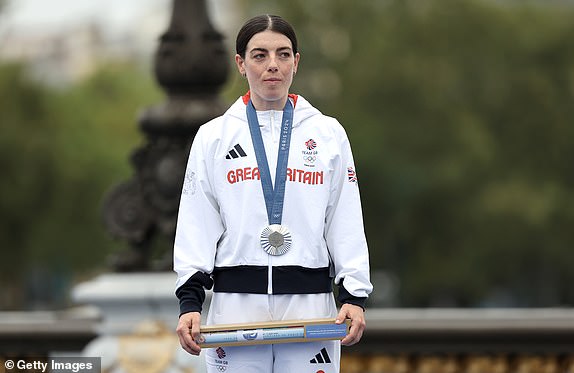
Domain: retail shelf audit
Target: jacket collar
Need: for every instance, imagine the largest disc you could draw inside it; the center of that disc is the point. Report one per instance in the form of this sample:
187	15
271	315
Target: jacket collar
246	97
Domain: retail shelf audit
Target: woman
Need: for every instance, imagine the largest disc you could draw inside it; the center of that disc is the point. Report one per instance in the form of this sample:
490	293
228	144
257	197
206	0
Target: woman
269	214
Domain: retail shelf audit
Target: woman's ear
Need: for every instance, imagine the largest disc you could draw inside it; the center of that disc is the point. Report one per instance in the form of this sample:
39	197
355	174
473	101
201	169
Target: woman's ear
296	63
240	62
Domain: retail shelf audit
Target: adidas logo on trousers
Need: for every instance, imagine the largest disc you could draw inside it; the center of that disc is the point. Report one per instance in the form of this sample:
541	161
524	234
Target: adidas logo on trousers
321	358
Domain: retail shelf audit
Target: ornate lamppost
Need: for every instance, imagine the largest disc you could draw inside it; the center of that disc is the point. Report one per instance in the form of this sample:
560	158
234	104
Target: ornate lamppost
191	66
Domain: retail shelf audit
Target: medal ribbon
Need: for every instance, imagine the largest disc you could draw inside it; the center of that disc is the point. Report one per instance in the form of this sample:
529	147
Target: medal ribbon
274	197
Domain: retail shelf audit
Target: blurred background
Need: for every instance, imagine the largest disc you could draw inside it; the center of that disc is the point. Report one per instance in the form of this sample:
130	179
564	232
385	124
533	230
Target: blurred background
459	112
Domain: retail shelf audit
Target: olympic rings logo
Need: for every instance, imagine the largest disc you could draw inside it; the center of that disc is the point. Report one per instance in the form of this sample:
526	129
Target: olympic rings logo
310	158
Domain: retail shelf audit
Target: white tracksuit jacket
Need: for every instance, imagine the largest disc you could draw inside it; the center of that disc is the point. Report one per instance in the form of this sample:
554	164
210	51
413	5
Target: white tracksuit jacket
222	211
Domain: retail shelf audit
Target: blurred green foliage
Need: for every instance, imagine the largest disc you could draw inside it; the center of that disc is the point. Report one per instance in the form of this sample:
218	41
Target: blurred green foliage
60	150
459	113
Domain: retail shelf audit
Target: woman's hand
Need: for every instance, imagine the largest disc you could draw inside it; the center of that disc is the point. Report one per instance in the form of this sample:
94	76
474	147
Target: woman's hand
358	324
188	332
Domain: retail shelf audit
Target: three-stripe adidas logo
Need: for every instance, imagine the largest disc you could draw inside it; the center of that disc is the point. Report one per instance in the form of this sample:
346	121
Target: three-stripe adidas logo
236	152
321	358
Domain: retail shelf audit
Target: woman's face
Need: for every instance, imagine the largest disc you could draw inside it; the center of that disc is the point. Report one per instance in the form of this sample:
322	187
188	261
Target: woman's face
269	65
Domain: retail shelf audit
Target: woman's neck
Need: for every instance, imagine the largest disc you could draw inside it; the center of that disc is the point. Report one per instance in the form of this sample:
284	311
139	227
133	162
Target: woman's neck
264	105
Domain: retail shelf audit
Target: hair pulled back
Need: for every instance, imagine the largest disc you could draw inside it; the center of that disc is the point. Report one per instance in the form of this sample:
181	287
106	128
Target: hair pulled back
259	24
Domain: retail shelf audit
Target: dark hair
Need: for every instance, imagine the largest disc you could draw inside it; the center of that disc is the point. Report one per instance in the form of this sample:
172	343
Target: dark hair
259	24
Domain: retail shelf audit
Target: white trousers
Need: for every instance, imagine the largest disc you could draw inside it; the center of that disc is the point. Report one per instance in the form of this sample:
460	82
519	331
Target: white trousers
315	357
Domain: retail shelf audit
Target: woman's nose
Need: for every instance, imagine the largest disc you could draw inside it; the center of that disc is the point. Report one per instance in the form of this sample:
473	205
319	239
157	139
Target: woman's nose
272	67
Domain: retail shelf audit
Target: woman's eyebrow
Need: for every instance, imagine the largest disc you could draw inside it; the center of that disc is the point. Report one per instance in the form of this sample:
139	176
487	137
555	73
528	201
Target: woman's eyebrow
258	49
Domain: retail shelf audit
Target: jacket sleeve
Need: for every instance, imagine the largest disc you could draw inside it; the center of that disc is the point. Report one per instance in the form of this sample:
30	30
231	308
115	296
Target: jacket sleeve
199	227
344	231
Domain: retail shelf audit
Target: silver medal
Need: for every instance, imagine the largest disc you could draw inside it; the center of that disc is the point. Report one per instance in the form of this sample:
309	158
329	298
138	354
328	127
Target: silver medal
275	239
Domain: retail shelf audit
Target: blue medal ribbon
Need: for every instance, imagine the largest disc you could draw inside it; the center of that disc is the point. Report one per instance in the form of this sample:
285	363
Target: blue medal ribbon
274	197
